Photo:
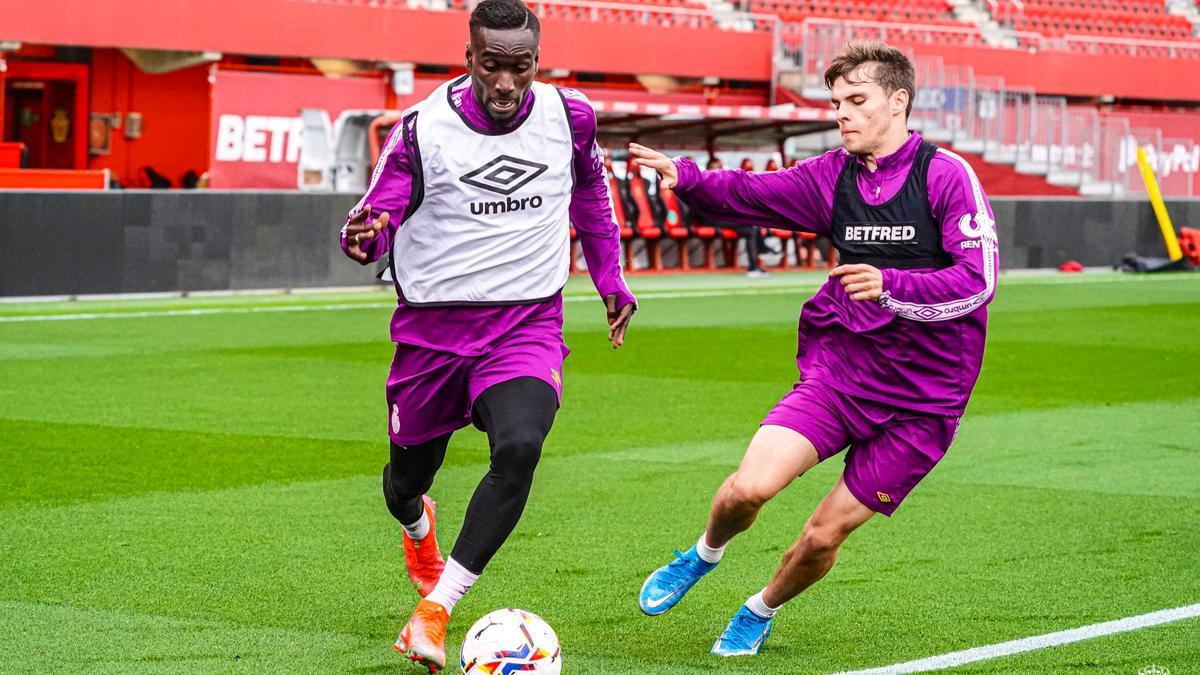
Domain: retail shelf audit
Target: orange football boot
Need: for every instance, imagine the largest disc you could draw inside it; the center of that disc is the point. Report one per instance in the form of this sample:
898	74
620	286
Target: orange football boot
423	639
422	558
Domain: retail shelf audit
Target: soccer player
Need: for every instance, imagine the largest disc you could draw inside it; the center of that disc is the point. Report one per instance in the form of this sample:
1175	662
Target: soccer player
472	199
889	348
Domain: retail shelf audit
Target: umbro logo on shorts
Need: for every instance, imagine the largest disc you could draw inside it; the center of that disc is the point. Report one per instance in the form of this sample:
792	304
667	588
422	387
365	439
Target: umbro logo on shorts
504	175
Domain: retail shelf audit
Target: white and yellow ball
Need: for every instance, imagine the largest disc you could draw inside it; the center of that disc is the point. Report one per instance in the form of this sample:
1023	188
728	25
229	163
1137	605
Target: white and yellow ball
510	641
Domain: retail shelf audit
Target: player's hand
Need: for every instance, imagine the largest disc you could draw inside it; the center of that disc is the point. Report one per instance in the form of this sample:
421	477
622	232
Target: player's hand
618	320
667	173
862	282
360	230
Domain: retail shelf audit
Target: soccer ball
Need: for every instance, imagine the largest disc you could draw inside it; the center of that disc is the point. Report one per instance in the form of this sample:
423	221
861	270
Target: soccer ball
510	641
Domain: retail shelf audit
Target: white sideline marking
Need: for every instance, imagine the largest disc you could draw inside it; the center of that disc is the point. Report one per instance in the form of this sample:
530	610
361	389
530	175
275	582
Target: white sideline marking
1017	277
1036	642
82	316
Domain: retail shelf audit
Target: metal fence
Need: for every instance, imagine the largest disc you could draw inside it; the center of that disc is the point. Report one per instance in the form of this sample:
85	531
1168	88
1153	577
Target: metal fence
1074	146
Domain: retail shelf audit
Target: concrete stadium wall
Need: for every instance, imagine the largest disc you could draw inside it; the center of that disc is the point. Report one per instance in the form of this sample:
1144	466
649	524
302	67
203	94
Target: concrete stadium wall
140	241
145	240
1048	232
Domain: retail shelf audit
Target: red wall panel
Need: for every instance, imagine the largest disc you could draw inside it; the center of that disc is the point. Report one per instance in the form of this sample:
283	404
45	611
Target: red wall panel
255	133
174	108
289	28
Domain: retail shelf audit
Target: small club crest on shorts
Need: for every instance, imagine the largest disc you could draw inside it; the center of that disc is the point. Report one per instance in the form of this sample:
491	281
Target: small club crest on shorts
883	497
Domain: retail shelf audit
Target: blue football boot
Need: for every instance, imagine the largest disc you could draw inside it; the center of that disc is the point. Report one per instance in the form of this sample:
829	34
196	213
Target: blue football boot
744	635
666	586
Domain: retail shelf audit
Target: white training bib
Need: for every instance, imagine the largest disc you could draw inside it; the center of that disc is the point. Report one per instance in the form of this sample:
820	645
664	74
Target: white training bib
492	226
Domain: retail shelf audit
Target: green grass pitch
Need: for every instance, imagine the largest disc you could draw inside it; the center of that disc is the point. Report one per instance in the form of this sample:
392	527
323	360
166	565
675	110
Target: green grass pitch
198	491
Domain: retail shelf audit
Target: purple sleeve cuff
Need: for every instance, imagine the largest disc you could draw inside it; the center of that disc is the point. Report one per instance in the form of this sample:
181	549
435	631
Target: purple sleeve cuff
688	173
889	280
624	296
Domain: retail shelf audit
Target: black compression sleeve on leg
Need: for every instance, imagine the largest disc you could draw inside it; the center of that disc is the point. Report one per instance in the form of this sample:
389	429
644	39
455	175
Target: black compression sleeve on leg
517	416
410	474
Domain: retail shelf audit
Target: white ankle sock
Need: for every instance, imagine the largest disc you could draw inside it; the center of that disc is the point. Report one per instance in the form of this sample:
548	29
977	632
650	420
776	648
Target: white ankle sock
455	582
756	605
707	553
420	529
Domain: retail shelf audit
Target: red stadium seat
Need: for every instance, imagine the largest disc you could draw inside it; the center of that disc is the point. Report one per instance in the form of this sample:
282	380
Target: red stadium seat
729	237
674	225
708	236
645	227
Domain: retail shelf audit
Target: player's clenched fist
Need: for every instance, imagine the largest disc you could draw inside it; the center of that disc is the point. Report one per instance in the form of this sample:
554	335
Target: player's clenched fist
360	230
862	282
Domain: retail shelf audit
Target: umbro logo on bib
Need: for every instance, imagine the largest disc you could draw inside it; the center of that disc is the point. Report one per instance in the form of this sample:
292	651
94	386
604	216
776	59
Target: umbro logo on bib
504	175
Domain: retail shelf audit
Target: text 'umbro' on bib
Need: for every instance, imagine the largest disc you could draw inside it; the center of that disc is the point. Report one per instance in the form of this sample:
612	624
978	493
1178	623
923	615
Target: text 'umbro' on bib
492	226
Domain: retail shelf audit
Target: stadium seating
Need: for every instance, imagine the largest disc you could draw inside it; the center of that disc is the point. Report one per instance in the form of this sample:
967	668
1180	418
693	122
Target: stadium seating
917	11
621	209
708	236
642	12
804	243
784	236
674	223
1120	19
1142	19
651	215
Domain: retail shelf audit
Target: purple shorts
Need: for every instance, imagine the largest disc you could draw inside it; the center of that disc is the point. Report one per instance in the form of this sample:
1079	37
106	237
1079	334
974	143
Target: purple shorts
431	393
891	450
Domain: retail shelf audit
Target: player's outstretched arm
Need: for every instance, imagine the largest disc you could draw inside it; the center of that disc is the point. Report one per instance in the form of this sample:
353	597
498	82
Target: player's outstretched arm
799	198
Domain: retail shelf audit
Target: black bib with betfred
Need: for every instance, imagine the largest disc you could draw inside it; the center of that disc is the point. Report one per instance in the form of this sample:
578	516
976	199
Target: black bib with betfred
899	233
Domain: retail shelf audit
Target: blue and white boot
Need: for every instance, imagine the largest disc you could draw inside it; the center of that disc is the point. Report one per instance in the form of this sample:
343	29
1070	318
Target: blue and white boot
666	586
744	635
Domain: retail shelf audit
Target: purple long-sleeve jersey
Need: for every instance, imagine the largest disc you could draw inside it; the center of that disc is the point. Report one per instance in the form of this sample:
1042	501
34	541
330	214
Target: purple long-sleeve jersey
921	346
471	330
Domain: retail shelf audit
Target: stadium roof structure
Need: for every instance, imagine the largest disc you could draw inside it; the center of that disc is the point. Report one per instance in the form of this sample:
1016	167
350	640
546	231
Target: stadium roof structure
706	126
